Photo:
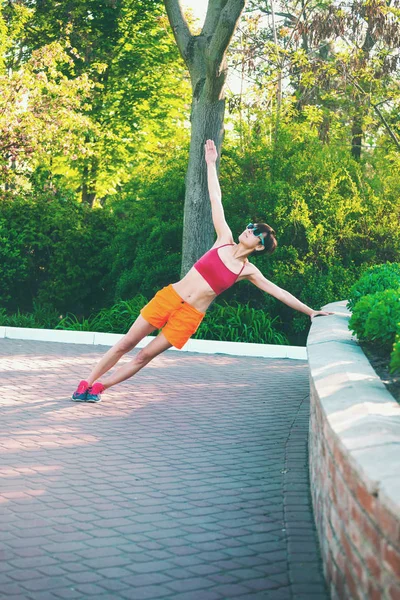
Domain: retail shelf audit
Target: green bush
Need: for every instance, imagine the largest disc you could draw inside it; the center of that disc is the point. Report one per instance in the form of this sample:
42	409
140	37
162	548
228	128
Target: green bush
375	317
395	356
54	251
236	322
375	279
360	314
117	319
40	318
147	246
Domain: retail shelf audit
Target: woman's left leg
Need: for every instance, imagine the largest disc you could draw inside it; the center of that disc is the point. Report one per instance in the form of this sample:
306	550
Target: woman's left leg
142	358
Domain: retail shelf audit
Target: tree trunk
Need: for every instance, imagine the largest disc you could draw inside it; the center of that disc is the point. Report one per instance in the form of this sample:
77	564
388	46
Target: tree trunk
89	176
357	126
204	55
207	120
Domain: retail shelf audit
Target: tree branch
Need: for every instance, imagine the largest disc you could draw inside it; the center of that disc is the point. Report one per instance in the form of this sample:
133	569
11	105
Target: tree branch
265	11
180	27
376	109
212	17
223	33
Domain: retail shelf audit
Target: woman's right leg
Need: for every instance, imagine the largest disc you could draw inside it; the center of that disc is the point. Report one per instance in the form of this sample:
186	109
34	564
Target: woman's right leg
137	332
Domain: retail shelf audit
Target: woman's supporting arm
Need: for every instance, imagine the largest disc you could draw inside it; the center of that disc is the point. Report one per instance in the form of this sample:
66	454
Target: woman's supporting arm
258	279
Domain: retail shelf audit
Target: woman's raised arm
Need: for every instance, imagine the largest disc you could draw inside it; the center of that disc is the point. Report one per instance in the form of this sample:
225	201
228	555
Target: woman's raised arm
218	216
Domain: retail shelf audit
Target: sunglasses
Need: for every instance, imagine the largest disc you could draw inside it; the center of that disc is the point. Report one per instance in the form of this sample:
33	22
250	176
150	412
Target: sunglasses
256	232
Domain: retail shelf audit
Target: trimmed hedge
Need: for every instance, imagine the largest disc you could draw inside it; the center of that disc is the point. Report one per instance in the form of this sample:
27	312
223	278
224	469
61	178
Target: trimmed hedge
375	300
375	279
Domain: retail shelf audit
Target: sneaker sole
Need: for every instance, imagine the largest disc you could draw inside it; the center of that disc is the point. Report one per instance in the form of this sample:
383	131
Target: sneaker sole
92	401
78	399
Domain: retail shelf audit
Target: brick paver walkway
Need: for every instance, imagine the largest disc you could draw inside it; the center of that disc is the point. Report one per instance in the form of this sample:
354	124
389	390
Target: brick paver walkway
187	482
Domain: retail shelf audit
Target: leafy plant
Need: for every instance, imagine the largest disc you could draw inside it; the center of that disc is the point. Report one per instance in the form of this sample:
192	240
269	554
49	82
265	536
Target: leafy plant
376	316
375	279
117	319
41	318
236	322
395	356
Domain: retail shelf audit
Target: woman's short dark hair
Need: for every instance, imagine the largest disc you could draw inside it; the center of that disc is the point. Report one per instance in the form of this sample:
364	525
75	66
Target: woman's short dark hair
270	242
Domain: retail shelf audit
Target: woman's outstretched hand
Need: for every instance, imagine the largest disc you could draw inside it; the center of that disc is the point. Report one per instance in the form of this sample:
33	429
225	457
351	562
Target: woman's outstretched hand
211	153
320	313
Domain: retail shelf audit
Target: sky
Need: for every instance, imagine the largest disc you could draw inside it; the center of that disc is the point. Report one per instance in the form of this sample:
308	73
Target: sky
199	7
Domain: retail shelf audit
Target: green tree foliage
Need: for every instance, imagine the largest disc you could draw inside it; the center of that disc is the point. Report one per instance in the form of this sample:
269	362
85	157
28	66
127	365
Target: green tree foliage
137	101
322	204
334	62
40	116
46	253
104	78
147	245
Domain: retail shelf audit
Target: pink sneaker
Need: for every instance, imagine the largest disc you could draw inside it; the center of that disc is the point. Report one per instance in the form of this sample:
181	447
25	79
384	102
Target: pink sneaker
80	393
94	392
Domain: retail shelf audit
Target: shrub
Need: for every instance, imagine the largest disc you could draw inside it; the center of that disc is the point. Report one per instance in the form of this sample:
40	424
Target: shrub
395	356
54	250
375	279
236	322
360	314
41	318
375	317
117	319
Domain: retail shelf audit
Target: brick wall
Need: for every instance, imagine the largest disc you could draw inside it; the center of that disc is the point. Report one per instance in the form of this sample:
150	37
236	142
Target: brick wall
359	534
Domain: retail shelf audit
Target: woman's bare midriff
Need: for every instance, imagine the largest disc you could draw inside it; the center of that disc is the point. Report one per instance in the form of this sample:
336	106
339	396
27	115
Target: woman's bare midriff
194	289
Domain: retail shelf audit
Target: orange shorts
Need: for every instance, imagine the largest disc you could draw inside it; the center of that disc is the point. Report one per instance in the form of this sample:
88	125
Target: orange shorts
181	319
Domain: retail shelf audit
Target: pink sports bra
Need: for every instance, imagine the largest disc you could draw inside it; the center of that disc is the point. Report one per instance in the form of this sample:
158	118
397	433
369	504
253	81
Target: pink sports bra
215	272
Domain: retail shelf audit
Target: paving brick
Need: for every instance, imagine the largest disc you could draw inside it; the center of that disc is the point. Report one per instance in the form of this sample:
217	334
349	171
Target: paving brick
187	561
204	569
44	583
32	563
82	591
23	575
83	577
108	561
198	595
262	583
147	579
100	552
231	590
152	567
115	572
148	592
190	583
113	585
224	578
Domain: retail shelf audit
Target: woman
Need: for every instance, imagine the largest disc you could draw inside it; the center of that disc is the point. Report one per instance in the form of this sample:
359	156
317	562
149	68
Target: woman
180	307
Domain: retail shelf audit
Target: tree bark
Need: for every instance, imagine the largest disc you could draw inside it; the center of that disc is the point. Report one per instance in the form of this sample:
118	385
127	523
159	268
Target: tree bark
89	176
204	56
357	126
